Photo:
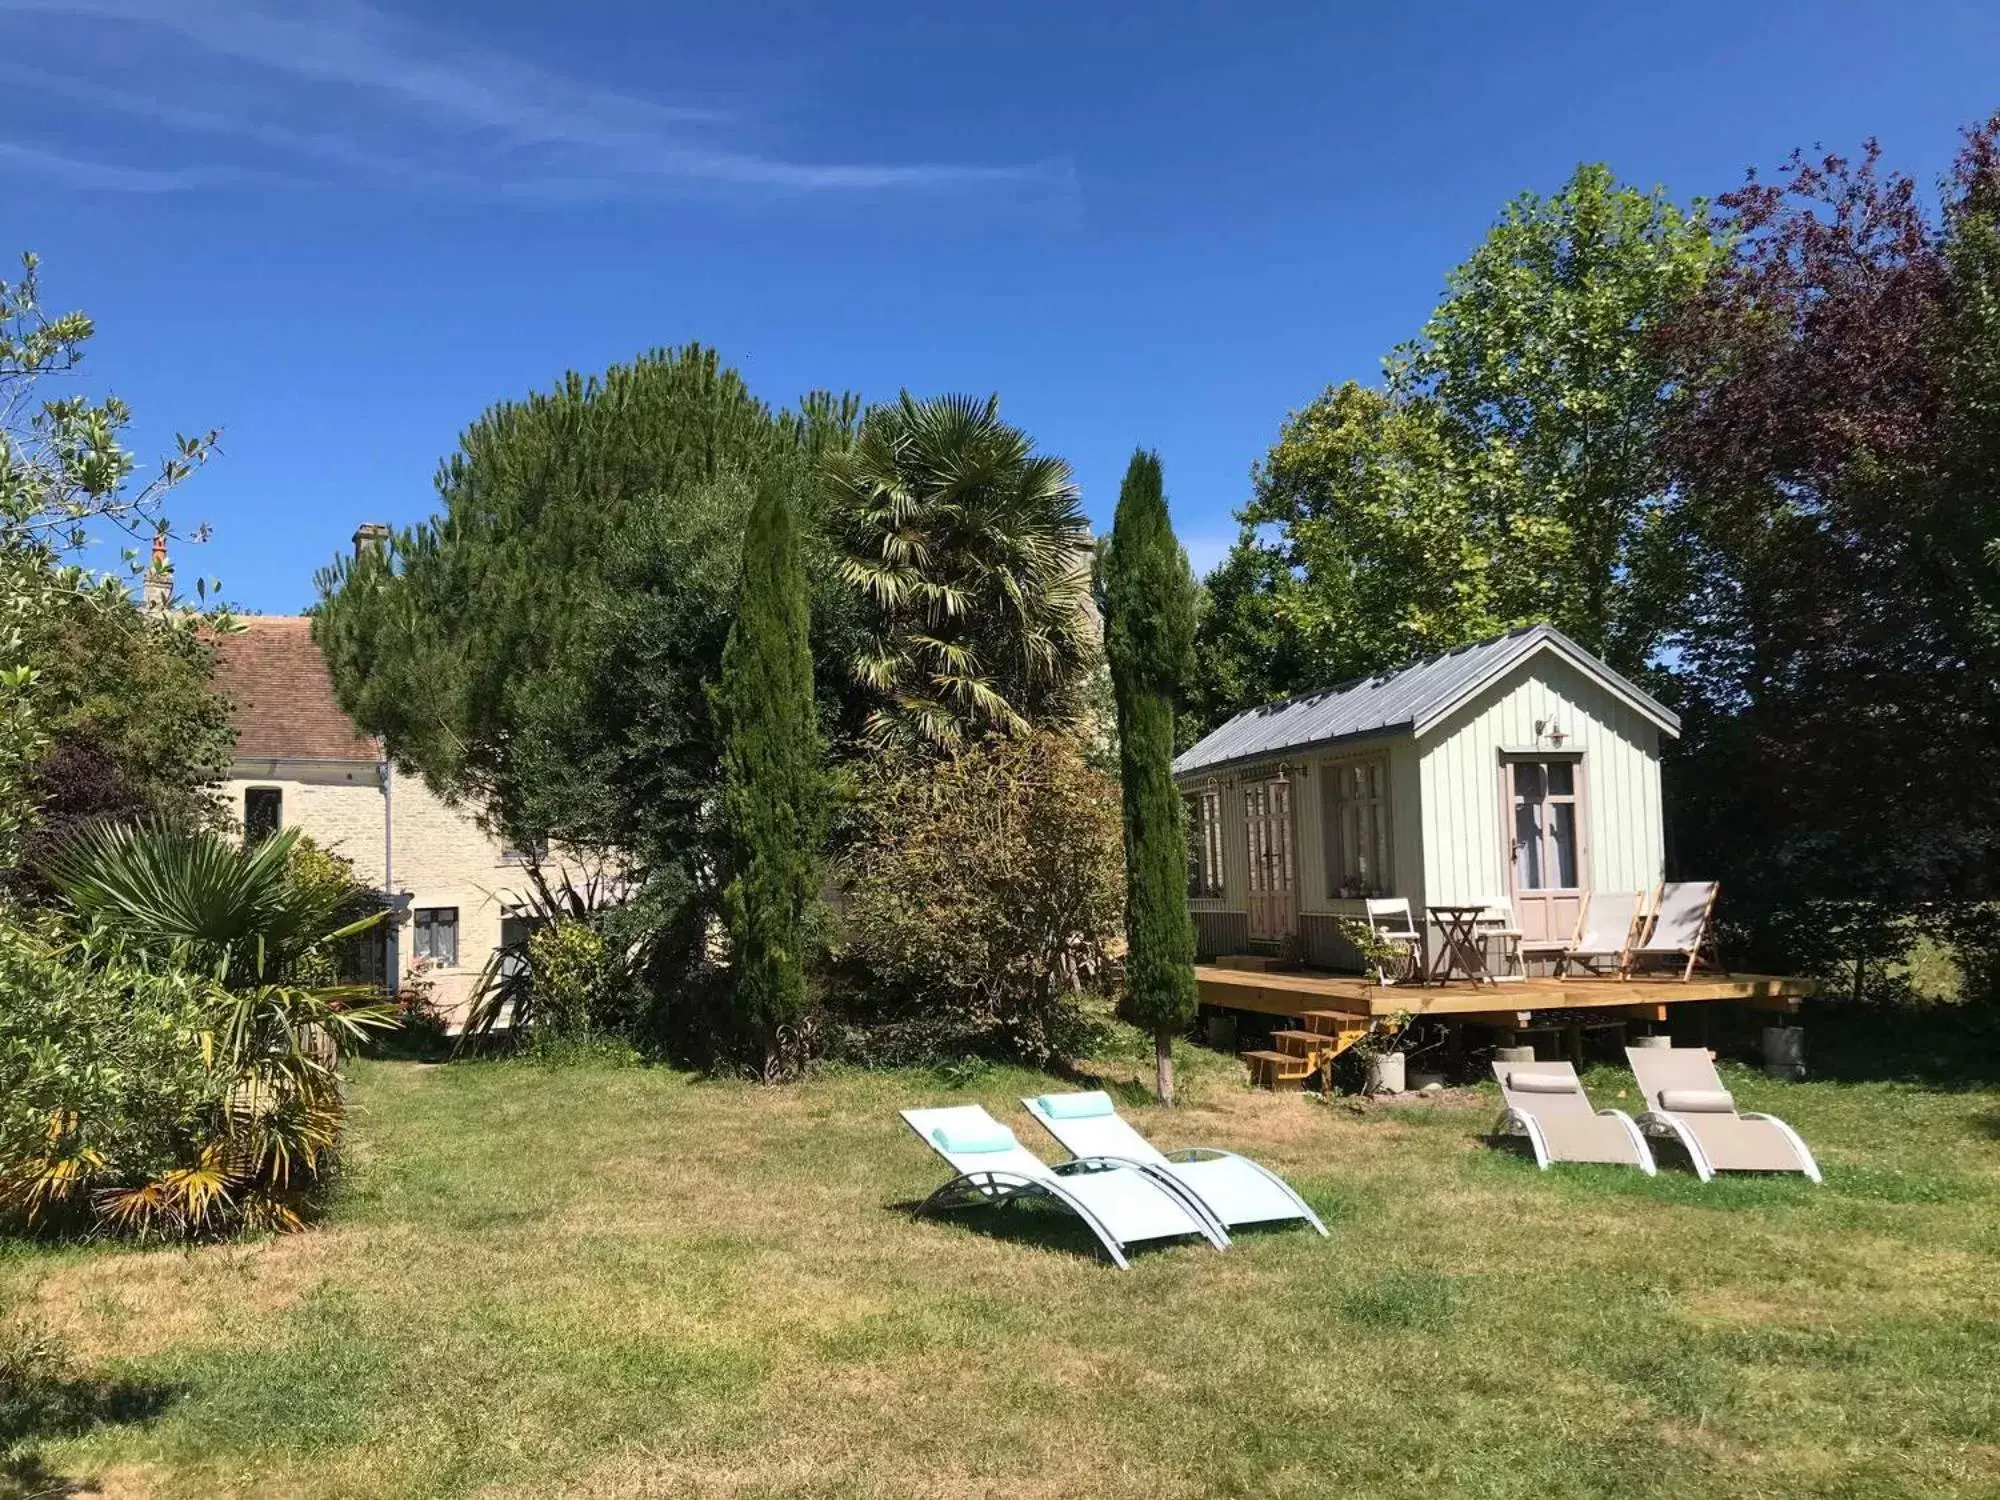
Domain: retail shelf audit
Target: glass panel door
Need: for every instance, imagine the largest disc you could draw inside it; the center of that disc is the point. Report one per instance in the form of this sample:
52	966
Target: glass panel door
1543	800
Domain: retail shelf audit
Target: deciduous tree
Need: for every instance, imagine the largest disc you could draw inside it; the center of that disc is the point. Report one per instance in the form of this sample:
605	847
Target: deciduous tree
1836	655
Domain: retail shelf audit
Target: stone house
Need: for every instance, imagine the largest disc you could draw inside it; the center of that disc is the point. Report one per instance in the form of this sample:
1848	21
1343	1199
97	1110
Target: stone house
300	762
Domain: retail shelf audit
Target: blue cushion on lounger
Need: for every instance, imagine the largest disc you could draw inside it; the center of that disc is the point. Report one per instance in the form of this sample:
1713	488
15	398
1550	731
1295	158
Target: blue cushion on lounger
974	1140
1076	1106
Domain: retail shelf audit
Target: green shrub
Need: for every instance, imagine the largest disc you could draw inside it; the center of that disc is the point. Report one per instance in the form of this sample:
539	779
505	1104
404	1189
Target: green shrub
103	1085
145	1099
979	903
574	981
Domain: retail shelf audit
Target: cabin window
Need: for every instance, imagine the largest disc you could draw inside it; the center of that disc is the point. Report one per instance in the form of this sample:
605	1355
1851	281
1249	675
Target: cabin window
437	934
263	813
1204	830
364	958
1357	827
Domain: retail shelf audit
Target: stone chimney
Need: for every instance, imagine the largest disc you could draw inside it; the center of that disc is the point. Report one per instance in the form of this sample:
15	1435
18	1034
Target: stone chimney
370	536
157	591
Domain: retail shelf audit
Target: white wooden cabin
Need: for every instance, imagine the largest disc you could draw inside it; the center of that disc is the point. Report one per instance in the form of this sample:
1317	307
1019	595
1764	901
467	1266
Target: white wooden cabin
1520	768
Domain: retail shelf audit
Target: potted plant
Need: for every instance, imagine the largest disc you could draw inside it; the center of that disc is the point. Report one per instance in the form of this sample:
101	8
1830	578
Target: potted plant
1381	1054
1383	960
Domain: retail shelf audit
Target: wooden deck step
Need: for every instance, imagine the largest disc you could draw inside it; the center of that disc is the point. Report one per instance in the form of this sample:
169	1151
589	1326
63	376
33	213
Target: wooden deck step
1334	1021
1300	1043
1276	1070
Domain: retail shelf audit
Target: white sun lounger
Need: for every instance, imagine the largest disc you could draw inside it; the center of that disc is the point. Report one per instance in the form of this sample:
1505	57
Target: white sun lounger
1119	1204
1227	1189
1547	1104
1685	1099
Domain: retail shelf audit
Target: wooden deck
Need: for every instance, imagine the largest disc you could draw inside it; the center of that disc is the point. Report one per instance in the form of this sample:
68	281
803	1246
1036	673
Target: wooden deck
1507	1004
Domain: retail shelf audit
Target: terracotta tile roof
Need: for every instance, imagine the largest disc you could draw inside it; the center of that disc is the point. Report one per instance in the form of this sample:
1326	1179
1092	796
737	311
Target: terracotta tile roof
282	697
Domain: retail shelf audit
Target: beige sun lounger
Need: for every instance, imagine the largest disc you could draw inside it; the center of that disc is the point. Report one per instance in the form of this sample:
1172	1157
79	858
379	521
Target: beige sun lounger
1547	1104
1686	1100
1681	930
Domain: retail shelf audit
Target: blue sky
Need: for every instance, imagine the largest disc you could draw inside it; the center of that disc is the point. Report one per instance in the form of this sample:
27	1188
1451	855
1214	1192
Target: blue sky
339	231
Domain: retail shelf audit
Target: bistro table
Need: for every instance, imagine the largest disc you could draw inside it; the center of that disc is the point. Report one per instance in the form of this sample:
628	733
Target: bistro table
1461	950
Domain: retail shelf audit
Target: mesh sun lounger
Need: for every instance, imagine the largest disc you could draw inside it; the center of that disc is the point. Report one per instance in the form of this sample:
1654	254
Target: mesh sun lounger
1603	931
1685	1099
1119	1204
1226	1189
1681	930
1547	1104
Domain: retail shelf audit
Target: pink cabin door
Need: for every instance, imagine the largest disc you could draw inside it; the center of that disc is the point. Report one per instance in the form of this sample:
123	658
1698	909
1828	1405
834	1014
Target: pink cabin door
1273	906
1542	801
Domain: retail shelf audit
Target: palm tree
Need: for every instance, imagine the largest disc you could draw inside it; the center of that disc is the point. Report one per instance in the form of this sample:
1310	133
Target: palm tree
973	554
256	934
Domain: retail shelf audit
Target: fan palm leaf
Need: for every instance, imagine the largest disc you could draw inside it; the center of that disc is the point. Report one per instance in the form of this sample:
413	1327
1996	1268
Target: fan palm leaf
971	549
196	896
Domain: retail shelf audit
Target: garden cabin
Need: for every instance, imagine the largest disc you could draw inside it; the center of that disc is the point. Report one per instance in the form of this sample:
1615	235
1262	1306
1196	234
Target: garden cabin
1520	769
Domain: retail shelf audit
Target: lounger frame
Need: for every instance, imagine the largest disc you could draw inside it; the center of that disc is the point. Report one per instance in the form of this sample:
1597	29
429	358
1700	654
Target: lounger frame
1193	1200
1028	1176
1187	1196
1669	1125
986	1189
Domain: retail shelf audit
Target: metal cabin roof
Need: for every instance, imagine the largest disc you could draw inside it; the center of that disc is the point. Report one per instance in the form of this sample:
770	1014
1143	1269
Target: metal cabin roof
1414	699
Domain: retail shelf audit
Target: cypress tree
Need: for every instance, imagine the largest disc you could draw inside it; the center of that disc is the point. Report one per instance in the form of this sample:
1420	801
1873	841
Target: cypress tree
1149	637
773	789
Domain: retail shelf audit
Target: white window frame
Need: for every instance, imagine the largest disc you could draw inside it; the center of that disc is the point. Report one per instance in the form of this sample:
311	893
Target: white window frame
425	919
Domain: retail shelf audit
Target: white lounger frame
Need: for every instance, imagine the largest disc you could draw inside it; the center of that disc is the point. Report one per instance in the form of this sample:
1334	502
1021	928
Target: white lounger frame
997	1187
1668	1125
1188	1197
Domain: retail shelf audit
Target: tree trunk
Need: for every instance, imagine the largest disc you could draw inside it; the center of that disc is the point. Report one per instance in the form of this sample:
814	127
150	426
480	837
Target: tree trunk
1163	1058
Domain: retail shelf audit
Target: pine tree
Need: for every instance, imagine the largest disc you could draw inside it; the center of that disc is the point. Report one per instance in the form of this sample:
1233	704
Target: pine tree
773	791
1149	637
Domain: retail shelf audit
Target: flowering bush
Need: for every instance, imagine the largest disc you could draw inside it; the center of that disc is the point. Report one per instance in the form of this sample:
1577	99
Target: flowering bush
979	906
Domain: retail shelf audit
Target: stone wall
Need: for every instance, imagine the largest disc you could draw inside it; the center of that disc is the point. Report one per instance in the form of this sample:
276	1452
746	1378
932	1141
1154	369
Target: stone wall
441	857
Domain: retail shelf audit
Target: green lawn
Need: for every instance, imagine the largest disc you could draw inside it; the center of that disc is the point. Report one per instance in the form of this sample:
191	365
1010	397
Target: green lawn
623	1281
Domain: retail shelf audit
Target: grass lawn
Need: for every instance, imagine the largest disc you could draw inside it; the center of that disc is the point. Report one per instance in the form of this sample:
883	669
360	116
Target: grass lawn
616	1281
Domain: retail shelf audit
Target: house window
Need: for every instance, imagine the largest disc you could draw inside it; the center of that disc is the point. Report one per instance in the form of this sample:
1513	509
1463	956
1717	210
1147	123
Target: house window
263	813
364	958
1357	827
524	851
515	930
437	934
1204	831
